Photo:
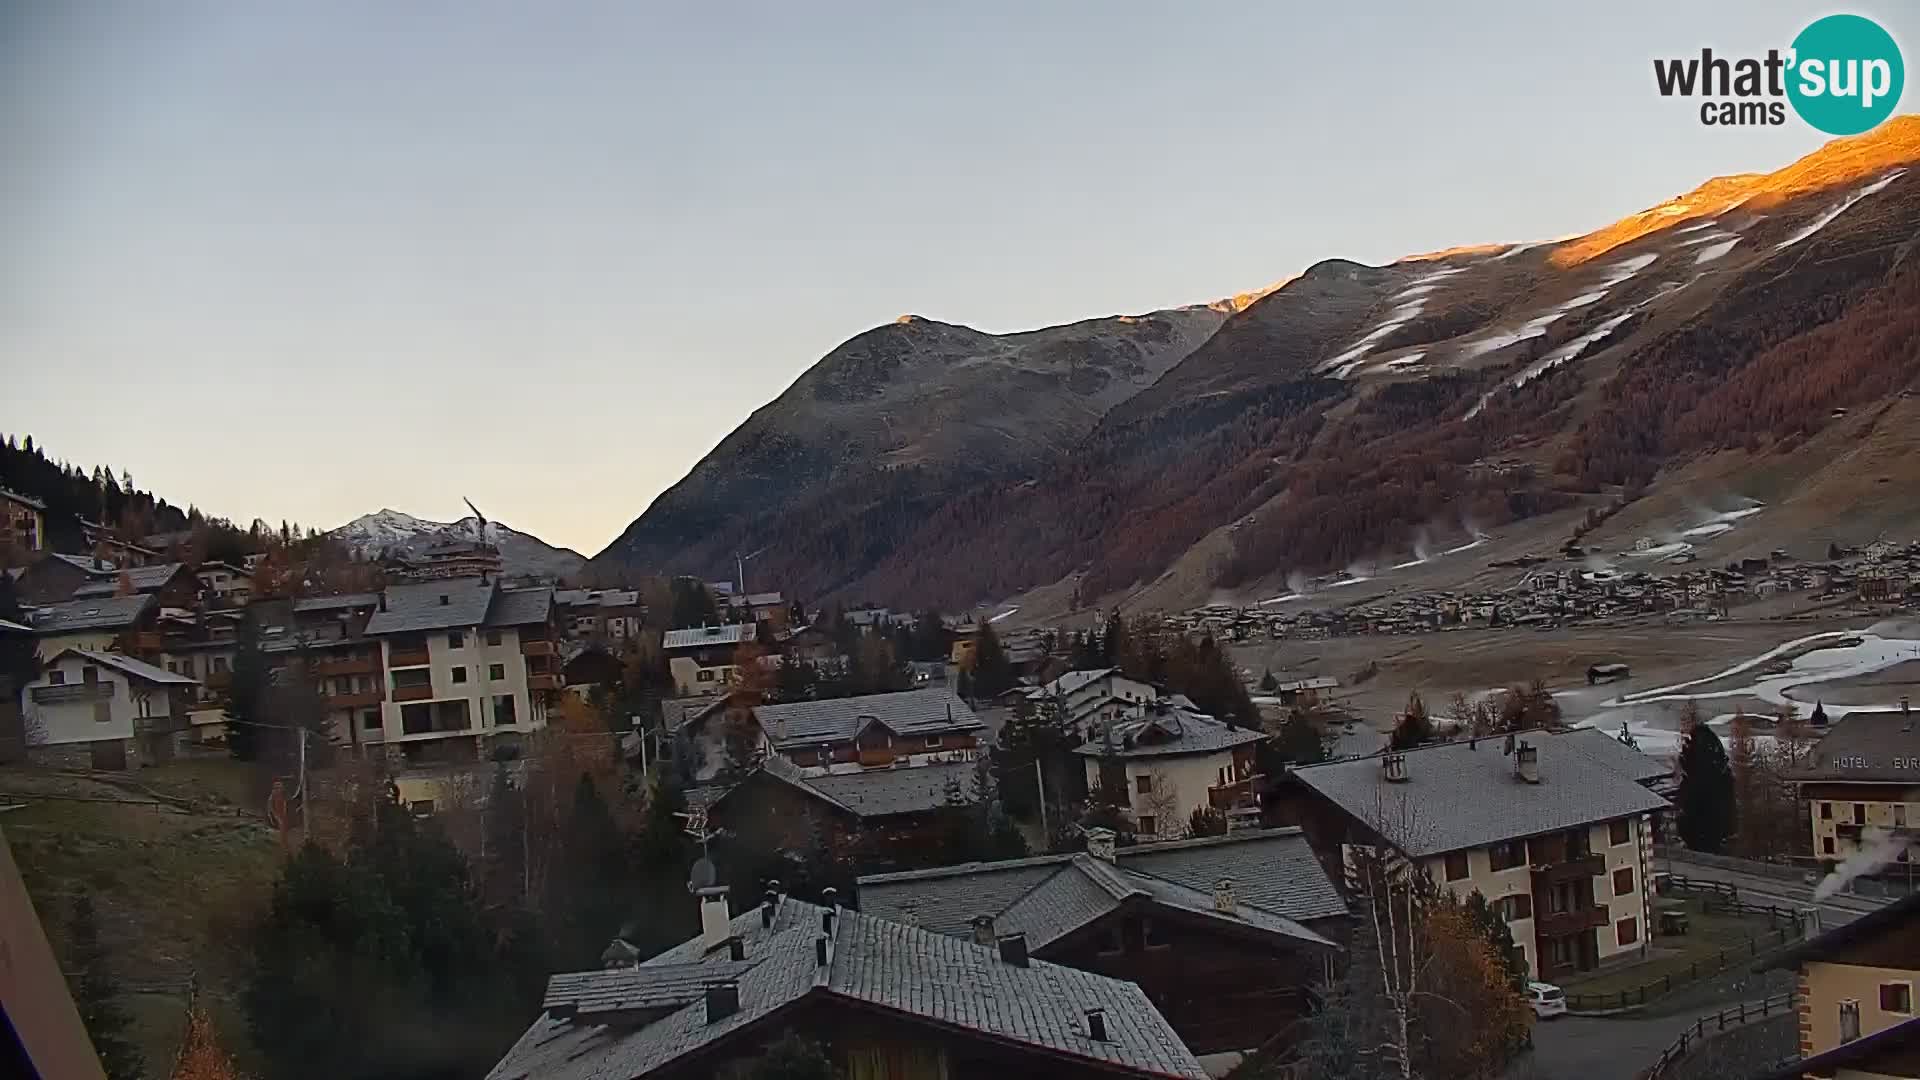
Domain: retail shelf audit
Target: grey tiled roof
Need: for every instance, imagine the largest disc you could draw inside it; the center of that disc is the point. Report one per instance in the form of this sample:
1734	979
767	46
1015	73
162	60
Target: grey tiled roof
105	613
1273	871
802	724
1866	746
1072	681
639	987
1606	752
914	974
335	603
433	605
694	637
129	666
880	792
1166	734
519	607
144	579
1459	795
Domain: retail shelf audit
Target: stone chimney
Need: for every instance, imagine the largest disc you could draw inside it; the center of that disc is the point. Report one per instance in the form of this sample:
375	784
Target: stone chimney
715	918
723	1000
1013	949
1223	899
1526	763
1100	842
1394	767
983	930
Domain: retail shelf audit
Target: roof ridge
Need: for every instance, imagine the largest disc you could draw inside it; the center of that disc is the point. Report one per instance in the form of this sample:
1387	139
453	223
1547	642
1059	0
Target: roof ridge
1106	875
960	869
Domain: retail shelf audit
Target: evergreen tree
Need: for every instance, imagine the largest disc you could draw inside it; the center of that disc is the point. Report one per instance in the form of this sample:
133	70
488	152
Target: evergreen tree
1268	683
94	995
504	827
19	660
1114	646
1206	821
247	694
590	899
1706	809
992	671
1415	727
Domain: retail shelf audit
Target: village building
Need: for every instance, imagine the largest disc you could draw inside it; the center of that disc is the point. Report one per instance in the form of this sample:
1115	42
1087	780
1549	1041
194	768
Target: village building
601	615
23	525
1090	699
701	659
172	584
225	584
1855	996
1552	829
104	710
901	729
1228	936
1864	775
466	662
1170	762
123	624
884	999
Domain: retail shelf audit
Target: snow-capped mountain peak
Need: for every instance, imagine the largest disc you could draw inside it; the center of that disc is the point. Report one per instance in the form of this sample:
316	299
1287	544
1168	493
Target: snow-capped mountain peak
393	532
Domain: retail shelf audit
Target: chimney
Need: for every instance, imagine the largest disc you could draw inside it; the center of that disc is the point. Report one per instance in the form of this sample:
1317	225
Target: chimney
715	919
820	951
1100	843
830	896
1013	949
444	601
766	911
1507	747
1526	763
1223	900
826	921
983	930
1394	767
723	1000
736	948
1097	1024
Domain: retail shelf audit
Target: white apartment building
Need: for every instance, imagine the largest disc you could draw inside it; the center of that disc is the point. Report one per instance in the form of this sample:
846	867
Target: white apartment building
104	710
1170	762
463	659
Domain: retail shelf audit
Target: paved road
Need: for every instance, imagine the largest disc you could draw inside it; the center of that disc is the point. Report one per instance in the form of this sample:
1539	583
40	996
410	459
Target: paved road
1834	911
1601	1048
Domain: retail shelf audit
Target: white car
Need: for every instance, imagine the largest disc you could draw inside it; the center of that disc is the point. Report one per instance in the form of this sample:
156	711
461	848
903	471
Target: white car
1546	1000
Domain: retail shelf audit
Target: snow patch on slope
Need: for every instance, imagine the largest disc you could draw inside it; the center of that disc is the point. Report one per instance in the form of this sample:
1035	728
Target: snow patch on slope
1842	207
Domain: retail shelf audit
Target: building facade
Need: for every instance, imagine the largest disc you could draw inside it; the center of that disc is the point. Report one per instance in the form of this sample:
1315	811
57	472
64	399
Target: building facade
105	711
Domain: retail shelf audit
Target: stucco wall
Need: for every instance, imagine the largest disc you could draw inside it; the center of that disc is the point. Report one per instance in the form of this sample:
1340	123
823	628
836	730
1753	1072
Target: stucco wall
1827	985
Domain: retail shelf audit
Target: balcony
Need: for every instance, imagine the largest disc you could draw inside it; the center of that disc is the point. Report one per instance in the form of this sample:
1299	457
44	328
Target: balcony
537	647
1570	922
543	681
1574	869
419	692
876	759
218	680
410	656
72	692
145	641
360	699
353	665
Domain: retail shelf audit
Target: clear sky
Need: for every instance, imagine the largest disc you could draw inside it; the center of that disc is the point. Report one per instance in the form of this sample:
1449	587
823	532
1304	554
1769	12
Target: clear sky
305	260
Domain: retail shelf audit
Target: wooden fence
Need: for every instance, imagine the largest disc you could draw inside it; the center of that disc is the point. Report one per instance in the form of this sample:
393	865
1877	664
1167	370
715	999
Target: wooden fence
1717	897
1707	1026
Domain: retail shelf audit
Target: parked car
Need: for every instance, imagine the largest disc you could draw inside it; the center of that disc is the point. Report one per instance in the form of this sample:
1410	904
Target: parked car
1546	1000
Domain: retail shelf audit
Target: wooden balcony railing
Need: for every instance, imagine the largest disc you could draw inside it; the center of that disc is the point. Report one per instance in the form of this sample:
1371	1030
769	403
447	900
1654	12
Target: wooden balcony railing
1584	866
1570	922
351	665
543	681
876	758
71	692
142	641
417	692
407	657
537	647
359	699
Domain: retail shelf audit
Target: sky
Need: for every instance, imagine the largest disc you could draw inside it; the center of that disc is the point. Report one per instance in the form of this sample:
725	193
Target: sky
305	260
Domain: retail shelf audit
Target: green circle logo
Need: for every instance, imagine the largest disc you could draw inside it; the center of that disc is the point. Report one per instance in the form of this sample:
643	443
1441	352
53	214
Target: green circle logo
1847	75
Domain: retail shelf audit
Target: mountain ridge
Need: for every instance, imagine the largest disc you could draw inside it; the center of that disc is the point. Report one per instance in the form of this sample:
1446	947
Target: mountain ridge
393	532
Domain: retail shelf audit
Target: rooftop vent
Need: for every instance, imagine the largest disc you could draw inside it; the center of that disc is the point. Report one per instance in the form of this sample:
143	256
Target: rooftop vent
1223	899
1394	767
1097	1025
1013	949
444	600
1526	763
736	948
1100	843
983	930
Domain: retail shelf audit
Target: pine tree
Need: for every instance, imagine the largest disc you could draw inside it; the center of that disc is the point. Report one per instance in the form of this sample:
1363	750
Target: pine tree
1706	795
1415	727
247	694
94	994
590	899
992	671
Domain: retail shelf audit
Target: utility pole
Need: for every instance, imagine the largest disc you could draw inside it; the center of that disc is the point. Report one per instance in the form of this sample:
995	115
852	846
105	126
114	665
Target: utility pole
1040	781
305	834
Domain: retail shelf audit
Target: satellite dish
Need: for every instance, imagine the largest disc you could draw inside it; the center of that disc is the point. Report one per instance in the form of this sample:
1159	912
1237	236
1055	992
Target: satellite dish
702	876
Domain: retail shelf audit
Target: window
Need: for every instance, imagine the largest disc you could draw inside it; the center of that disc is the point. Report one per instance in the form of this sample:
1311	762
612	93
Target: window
1826	811
1623	881
1627	931
933	742
493	637
1899	815
219	663
1849	1021
497	672
421	807
90	675
460	674
1456	866
1826	845
56	677
1516	907
456	641
1619	832
503	714
1507	856
1143	784
1859	813
186	667
703	675
1147	826
1896	997
370	720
